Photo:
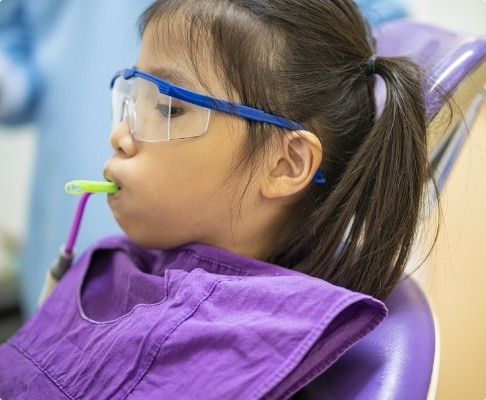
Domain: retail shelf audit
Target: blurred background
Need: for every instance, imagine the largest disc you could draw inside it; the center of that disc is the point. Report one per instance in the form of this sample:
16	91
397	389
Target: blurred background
454	276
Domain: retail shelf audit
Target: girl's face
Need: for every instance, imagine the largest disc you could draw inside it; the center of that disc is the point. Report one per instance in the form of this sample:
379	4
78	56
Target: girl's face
177	192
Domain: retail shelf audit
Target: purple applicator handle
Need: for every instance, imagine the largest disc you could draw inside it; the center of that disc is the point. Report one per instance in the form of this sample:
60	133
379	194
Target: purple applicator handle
66	252
78	216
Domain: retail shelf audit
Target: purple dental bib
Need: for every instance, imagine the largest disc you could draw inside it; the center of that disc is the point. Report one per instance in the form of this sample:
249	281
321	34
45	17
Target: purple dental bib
194	322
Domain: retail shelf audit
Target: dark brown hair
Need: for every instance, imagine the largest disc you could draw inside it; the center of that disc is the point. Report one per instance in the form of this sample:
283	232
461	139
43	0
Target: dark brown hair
308	61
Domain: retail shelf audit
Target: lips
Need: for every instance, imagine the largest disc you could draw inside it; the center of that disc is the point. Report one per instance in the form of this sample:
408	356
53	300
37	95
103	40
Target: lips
111	177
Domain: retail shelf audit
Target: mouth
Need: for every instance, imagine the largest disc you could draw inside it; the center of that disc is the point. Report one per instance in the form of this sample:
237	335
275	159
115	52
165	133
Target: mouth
110	177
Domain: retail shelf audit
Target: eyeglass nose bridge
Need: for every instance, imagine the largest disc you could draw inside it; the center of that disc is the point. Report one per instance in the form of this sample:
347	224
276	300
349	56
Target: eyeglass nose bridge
130	113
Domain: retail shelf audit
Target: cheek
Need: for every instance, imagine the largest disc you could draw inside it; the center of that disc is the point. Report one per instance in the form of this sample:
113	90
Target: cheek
164	205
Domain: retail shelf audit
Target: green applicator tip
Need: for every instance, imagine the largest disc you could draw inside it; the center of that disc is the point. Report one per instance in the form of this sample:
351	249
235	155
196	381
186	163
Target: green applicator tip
80	186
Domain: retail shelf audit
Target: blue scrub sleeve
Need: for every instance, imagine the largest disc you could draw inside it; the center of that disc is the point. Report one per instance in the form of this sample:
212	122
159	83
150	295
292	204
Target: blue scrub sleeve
19	81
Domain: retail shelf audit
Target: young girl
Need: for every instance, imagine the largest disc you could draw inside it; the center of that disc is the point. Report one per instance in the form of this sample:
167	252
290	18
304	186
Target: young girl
264	201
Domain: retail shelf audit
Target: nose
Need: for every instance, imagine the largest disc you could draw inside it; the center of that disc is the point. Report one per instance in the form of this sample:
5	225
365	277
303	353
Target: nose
122	140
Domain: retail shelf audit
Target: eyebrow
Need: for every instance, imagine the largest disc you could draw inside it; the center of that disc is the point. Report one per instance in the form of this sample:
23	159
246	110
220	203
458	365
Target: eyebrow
173	75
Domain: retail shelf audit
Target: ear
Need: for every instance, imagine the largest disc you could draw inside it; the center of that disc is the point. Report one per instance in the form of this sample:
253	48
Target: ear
293	165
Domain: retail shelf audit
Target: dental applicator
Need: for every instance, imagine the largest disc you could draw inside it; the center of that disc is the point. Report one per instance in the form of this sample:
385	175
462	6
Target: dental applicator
66	252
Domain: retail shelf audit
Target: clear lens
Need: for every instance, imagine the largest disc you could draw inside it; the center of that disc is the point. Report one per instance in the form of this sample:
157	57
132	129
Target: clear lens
153	116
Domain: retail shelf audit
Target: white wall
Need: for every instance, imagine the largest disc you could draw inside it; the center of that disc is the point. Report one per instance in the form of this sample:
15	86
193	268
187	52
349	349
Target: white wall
16	162
461	15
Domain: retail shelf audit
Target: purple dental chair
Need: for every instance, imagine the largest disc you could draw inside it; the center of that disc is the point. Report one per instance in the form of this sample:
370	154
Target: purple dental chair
399	360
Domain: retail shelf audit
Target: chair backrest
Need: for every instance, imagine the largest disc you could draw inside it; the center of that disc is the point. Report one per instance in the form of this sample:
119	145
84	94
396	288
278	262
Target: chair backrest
455	67
396	361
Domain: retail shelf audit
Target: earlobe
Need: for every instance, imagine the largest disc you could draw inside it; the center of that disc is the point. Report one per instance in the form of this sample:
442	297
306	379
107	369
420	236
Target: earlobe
293	166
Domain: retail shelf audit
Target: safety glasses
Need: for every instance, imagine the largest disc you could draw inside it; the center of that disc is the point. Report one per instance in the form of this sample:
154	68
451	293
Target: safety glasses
158	110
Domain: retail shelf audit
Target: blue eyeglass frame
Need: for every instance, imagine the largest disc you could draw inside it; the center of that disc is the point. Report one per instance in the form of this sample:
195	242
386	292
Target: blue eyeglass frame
213	103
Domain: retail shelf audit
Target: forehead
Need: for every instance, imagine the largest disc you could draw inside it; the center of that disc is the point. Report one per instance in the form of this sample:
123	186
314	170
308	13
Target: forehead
170	53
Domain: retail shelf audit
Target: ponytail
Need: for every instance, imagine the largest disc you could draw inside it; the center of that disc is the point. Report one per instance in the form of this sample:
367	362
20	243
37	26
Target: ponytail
361	235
